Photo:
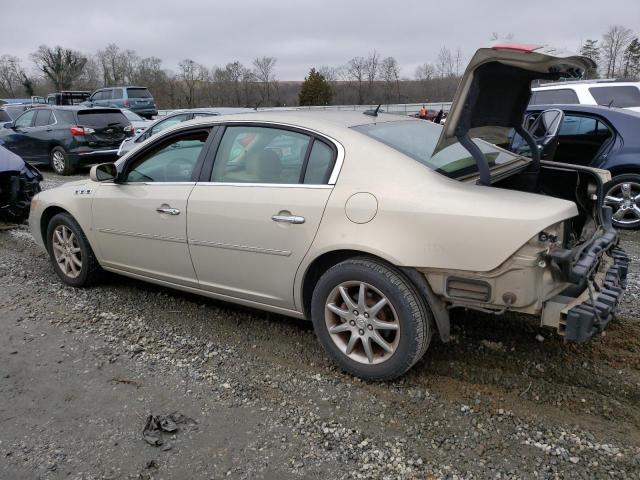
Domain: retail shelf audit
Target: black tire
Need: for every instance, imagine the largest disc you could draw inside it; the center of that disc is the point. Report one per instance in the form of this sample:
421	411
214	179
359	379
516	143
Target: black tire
90	271
413	315
60	162
628	221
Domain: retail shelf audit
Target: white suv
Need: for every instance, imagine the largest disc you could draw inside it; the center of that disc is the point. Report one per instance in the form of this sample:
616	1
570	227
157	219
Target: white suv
589	92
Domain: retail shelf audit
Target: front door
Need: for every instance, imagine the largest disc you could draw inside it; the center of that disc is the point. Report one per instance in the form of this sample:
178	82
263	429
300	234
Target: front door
17	139
141	221
252	222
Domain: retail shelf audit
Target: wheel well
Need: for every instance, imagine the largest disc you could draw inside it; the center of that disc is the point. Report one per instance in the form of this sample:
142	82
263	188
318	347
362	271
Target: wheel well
625	169
46	217
320	265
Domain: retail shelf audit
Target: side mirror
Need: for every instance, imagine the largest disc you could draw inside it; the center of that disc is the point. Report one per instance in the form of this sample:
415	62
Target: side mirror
9	125
544	131
103	172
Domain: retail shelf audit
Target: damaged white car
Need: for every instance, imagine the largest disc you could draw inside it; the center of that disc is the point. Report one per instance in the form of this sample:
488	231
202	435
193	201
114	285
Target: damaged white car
373	226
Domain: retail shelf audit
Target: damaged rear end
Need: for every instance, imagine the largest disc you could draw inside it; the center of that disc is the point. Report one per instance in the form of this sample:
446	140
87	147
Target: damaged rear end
19	183
571	274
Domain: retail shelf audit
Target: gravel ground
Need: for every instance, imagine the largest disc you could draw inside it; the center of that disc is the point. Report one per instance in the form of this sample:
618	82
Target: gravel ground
80	371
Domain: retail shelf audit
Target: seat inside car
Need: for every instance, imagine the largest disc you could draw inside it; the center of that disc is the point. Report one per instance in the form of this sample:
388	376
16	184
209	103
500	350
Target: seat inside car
259	167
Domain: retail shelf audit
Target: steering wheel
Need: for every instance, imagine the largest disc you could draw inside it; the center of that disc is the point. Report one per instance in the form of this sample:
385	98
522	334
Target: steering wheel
178	170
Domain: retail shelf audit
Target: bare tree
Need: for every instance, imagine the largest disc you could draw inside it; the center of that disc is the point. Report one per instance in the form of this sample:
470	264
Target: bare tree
191	75
444	63
117	65
60	65
264	73
425	72
614	43
390	73
11	76
372	66
356	70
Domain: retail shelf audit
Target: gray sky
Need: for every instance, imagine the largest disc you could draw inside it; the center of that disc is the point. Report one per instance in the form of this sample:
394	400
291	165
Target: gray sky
302	33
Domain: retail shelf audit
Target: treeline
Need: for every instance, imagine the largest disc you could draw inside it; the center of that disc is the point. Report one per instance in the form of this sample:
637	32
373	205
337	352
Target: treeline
368	79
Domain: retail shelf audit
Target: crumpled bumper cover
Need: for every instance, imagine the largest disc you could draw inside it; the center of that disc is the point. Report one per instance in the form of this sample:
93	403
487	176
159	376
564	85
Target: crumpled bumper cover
591	317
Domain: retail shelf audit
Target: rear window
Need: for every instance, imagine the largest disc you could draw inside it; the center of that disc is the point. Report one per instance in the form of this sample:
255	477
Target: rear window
418	139
4	116
92	118
619	96
561	96
138	93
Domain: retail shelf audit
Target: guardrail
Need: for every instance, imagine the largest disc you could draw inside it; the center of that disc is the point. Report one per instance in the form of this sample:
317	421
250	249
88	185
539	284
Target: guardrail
396	108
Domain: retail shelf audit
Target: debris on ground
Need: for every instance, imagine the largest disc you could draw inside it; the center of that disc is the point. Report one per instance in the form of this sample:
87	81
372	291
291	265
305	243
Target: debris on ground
156	424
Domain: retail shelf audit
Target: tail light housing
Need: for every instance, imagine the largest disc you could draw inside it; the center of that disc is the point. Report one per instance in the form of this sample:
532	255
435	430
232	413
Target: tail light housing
129	130
78	131
126	103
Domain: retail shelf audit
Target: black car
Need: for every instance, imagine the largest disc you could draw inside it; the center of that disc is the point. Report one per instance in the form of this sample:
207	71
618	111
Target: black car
65	137
606	138
19	183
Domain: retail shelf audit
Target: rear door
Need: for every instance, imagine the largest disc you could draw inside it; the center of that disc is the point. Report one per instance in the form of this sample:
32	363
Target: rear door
109	125
252	218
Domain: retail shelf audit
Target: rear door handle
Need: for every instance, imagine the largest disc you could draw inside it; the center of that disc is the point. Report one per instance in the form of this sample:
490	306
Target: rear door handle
168	210
296	219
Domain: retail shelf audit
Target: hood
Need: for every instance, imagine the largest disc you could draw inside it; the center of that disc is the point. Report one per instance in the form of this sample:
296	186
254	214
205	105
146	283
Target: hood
496	87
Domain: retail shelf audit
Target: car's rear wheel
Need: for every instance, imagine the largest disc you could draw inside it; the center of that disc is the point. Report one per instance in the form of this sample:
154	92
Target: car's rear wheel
71	255
370	319
60	161
622	194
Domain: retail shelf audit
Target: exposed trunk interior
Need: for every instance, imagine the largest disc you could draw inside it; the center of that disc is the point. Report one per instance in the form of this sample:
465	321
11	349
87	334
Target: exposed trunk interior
578	186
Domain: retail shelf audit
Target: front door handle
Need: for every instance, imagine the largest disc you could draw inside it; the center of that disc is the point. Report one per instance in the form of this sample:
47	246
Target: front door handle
296	219
168	210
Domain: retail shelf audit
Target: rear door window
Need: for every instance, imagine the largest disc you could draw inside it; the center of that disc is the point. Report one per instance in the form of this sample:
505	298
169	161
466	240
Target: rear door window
138	93
43	118
97	119
617	96
560	96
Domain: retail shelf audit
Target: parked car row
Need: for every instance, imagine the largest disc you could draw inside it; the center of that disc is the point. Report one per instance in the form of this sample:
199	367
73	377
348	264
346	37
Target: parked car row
362	222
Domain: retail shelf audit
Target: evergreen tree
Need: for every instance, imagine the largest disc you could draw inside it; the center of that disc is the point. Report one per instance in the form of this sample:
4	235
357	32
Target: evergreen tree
591	49
631	60
315	90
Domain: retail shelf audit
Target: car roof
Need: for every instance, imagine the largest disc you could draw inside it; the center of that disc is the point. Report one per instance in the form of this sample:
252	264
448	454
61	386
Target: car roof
583	85
75	108
598	109
310	119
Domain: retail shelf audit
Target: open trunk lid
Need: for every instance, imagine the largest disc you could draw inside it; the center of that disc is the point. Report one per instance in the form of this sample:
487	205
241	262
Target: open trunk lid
495	90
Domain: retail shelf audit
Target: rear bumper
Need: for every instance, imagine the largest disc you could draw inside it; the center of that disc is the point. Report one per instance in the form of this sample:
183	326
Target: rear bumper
598	273
583	321
93	156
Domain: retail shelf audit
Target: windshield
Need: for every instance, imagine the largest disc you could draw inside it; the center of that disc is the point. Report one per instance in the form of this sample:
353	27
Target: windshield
418	139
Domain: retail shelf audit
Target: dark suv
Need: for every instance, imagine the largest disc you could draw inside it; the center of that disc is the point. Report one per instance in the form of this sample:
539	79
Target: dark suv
66	137
136	99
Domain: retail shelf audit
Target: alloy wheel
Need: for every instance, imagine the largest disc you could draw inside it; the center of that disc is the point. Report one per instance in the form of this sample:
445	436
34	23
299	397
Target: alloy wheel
58	161
66	251
362	322
624	199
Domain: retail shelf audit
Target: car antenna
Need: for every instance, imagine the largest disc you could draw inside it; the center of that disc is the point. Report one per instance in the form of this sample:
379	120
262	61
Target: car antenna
373	113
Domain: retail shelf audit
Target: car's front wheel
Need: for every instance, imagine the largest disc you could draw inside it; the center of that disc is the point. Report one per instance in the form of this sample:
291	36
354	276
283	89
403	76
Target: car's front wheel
623	196
71	255
370	319
60	161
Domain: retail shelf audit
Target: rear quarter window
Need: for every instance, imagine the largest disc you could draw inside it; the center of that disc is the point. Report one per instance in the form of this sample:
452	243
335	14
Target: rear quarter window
622	96
65	117
138	93
91	118
560	96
